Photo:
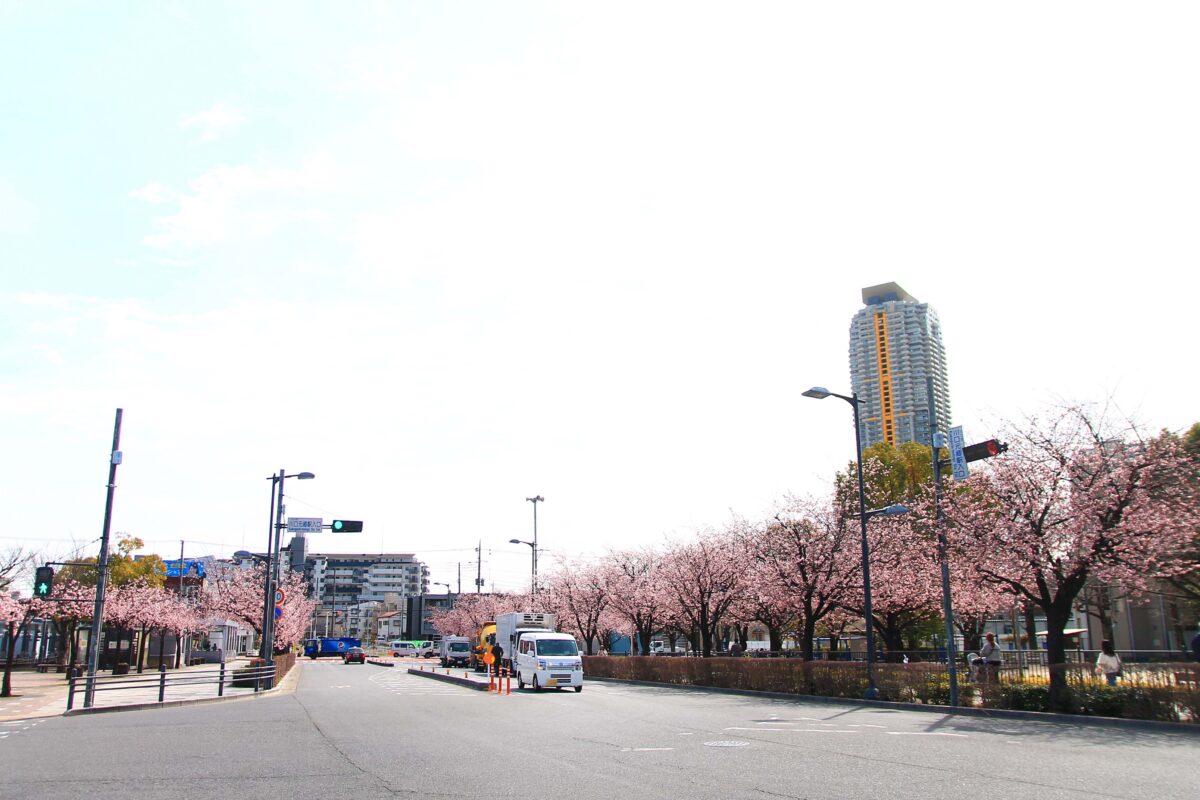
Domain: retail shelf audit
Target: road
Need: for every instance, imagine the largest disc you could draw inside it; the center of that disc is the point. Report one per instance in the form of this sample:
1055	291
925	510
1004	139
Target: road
365	732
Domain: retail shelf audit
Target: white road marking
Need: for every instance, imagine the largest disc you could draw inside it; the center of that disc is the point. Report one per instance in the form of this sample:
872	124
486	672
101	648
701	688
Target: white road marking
790	730
924	733
644	749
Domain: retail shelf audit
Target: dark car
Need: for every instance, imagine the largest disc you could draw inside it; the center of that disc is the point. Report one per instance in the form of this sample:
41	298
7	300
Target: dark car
355	654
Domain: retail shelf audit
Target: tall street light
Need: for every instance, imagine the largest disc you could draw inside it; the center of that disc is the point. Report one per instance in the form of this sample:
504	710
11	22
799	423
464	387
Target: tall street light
533	545
820	393
272	578
535	500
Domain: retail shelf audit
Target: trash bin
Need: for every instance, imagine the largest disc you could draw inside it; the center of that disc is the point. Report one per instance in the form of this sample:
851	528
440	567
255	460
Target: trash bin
120	669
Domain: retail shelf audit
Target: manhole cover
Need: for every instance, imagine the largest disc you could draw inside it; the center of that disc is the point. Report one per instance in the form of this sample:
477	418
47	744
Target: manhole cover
726	744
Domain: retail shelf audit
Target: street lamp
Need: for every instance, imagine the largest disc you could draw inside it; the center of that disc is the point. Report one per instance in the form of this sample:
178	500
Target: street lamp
272	578
535	500
820	393
533	545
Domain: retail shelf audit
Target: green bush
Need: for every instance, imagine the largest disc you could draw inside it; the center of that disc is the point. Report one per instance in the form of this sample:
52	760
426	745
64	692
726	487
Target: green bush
927	683
1023	697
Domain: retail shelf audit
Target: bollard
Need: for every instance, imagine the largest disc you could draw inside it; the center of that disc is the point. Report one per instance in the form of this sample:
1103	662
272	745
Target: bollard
508	681
71	692
162	681
221	685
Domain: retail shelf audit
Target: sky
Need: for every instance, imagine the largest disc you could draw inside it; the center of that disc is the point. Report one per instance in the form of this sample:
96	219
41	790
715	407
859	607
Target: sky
449	256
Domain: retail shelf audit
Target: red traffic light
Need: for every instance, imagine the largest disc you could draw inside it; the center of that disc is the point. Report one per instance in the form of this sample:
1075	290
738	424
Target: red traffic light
975	452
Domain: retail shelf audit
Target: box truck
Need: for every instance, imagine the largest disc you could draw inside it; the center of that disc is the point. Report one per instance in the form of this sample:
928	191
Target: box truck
454	651
512	626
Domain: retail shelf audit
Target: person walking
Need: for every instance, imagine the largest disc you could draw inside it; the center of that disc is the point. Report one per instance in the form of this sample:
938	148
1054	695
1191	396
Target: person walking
1108	663
990	655
497	654
735	650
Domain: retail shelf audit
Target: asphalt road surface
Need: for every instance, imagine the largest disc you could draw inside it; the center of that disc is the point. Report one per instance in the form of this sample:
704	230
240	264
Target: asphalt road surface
365	732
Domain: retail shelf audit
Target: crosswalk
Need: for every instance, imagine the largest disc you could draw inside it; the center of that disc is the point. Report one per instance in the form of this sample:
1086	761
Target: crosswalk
400	682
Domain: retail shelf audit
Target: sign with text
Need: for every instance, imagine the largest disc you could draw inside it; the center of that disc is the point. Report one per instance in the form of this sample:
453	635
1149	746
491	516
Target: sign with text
958	464
305	524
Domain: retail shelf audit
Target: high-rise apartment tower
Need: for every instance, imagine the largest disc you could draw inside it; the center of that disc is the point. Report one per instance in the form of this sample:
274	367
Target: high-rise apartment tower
895	347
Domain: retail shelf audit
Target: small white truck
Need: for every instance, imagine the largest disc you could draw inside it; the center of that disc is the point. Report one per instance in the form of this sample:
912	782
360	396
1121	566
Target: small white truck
454	651
548	660
510	627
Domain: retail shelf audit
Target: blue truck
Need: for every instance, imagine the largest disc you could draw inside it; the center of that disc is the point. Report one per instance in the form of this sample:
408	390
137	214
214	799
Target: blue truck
328	647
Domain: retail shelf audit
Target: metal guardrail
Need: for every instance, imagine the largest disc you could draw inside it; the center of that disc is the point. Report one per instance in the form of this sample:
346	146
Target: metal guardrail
219	677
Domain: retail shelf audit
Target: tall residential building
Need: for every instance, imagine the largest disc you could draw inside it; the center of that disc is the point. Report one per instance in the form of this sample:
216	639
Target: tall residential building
895	347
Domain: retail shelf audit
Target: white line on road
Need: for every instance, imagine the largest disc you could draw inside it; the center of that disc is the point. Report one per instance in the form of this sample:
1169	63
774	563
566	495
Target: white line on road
924	733
644	749
789	730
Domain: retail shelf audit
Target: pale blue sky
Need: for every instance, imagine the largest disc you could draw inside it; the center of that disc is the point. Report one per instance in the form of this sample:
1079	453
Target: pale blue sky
448	256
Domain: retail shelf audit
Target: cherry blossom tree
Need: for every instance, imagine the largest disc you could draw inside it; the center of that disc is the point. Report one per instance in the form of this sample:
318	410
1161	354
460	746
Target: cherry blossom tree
70	603
810	550
636	594
473	611
14	615
578	595
705	579
1074	499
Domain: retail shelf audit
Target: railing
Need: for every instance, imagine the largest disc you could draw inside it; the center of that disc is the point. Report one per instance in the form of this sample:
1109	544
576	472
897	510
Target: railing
260	677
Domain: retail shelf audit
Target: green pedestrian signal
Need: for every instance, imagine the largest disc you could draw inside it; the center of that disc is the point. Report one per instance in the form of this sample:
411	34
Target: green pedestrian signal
346	526
43	582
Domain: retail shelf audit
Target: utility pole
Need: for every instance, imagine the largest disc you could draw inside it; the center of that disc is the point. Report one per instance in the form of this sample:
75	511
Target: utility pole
93	651
479	568
943	555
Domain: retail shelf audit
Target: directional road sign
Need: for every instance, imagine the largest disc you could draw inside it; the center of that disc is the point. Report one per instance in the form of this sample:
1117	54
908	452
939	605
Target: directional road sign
957	462
305	524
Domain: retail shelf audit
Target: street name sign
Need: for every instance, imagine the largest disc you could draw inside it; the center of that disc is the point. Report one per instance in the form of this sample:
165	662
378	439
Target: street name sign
958	464
305	524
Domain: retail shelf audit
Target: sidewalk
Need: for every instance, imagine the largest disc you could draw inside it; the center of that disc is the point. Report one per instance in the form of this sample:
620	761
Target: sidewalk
44	694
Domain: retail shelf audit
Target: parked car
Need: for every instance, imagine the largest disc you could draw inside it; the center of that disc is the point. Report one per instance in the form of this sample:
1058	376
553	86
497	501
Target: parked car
355	655
411	649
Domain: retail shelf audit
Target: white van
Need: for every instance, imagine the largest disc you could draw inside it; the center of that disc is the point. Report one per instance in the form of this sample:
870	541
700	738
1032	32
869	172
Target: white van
406	648
548	660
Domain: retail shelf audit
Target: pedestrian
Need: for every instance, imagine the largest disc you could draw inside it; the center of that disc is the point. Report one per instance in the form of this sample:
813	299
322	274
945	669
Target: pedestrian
990	654
1108	663
735	650
497	654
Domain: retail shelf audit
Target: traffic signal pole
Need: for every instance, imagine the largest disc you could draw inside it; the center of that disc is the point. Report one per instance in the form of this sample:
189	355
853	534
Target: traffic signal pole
93	648
943	554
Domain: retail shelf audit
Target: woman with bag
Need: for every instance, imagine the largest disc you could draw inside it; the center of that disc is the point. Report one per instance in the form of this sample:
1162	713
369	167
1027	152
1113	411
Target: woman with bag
1108	663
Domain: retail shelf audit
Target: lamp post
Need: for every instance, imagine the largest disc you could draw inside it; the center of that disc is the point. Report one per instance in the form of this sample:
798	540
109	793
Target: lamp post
533	545
272	576
820	393
535	500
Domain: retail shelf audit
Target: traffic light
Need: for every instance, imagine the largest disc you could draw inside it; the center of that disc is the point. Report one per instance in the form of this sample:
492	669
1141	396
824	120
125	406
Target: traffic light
346	526
992	447
43	582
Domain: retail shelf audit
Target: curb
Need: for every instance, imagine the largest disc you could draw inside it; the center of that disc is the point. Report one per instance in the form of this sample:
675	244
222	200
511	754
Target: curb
985	713
286	686
467	682
381	663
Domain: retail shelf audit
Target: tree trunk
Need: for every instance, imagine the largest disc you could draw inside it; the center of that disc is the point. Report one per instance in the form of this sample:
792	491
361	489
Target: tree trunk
1057	616
808	631
6	687
141	648
776	636
1030	627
